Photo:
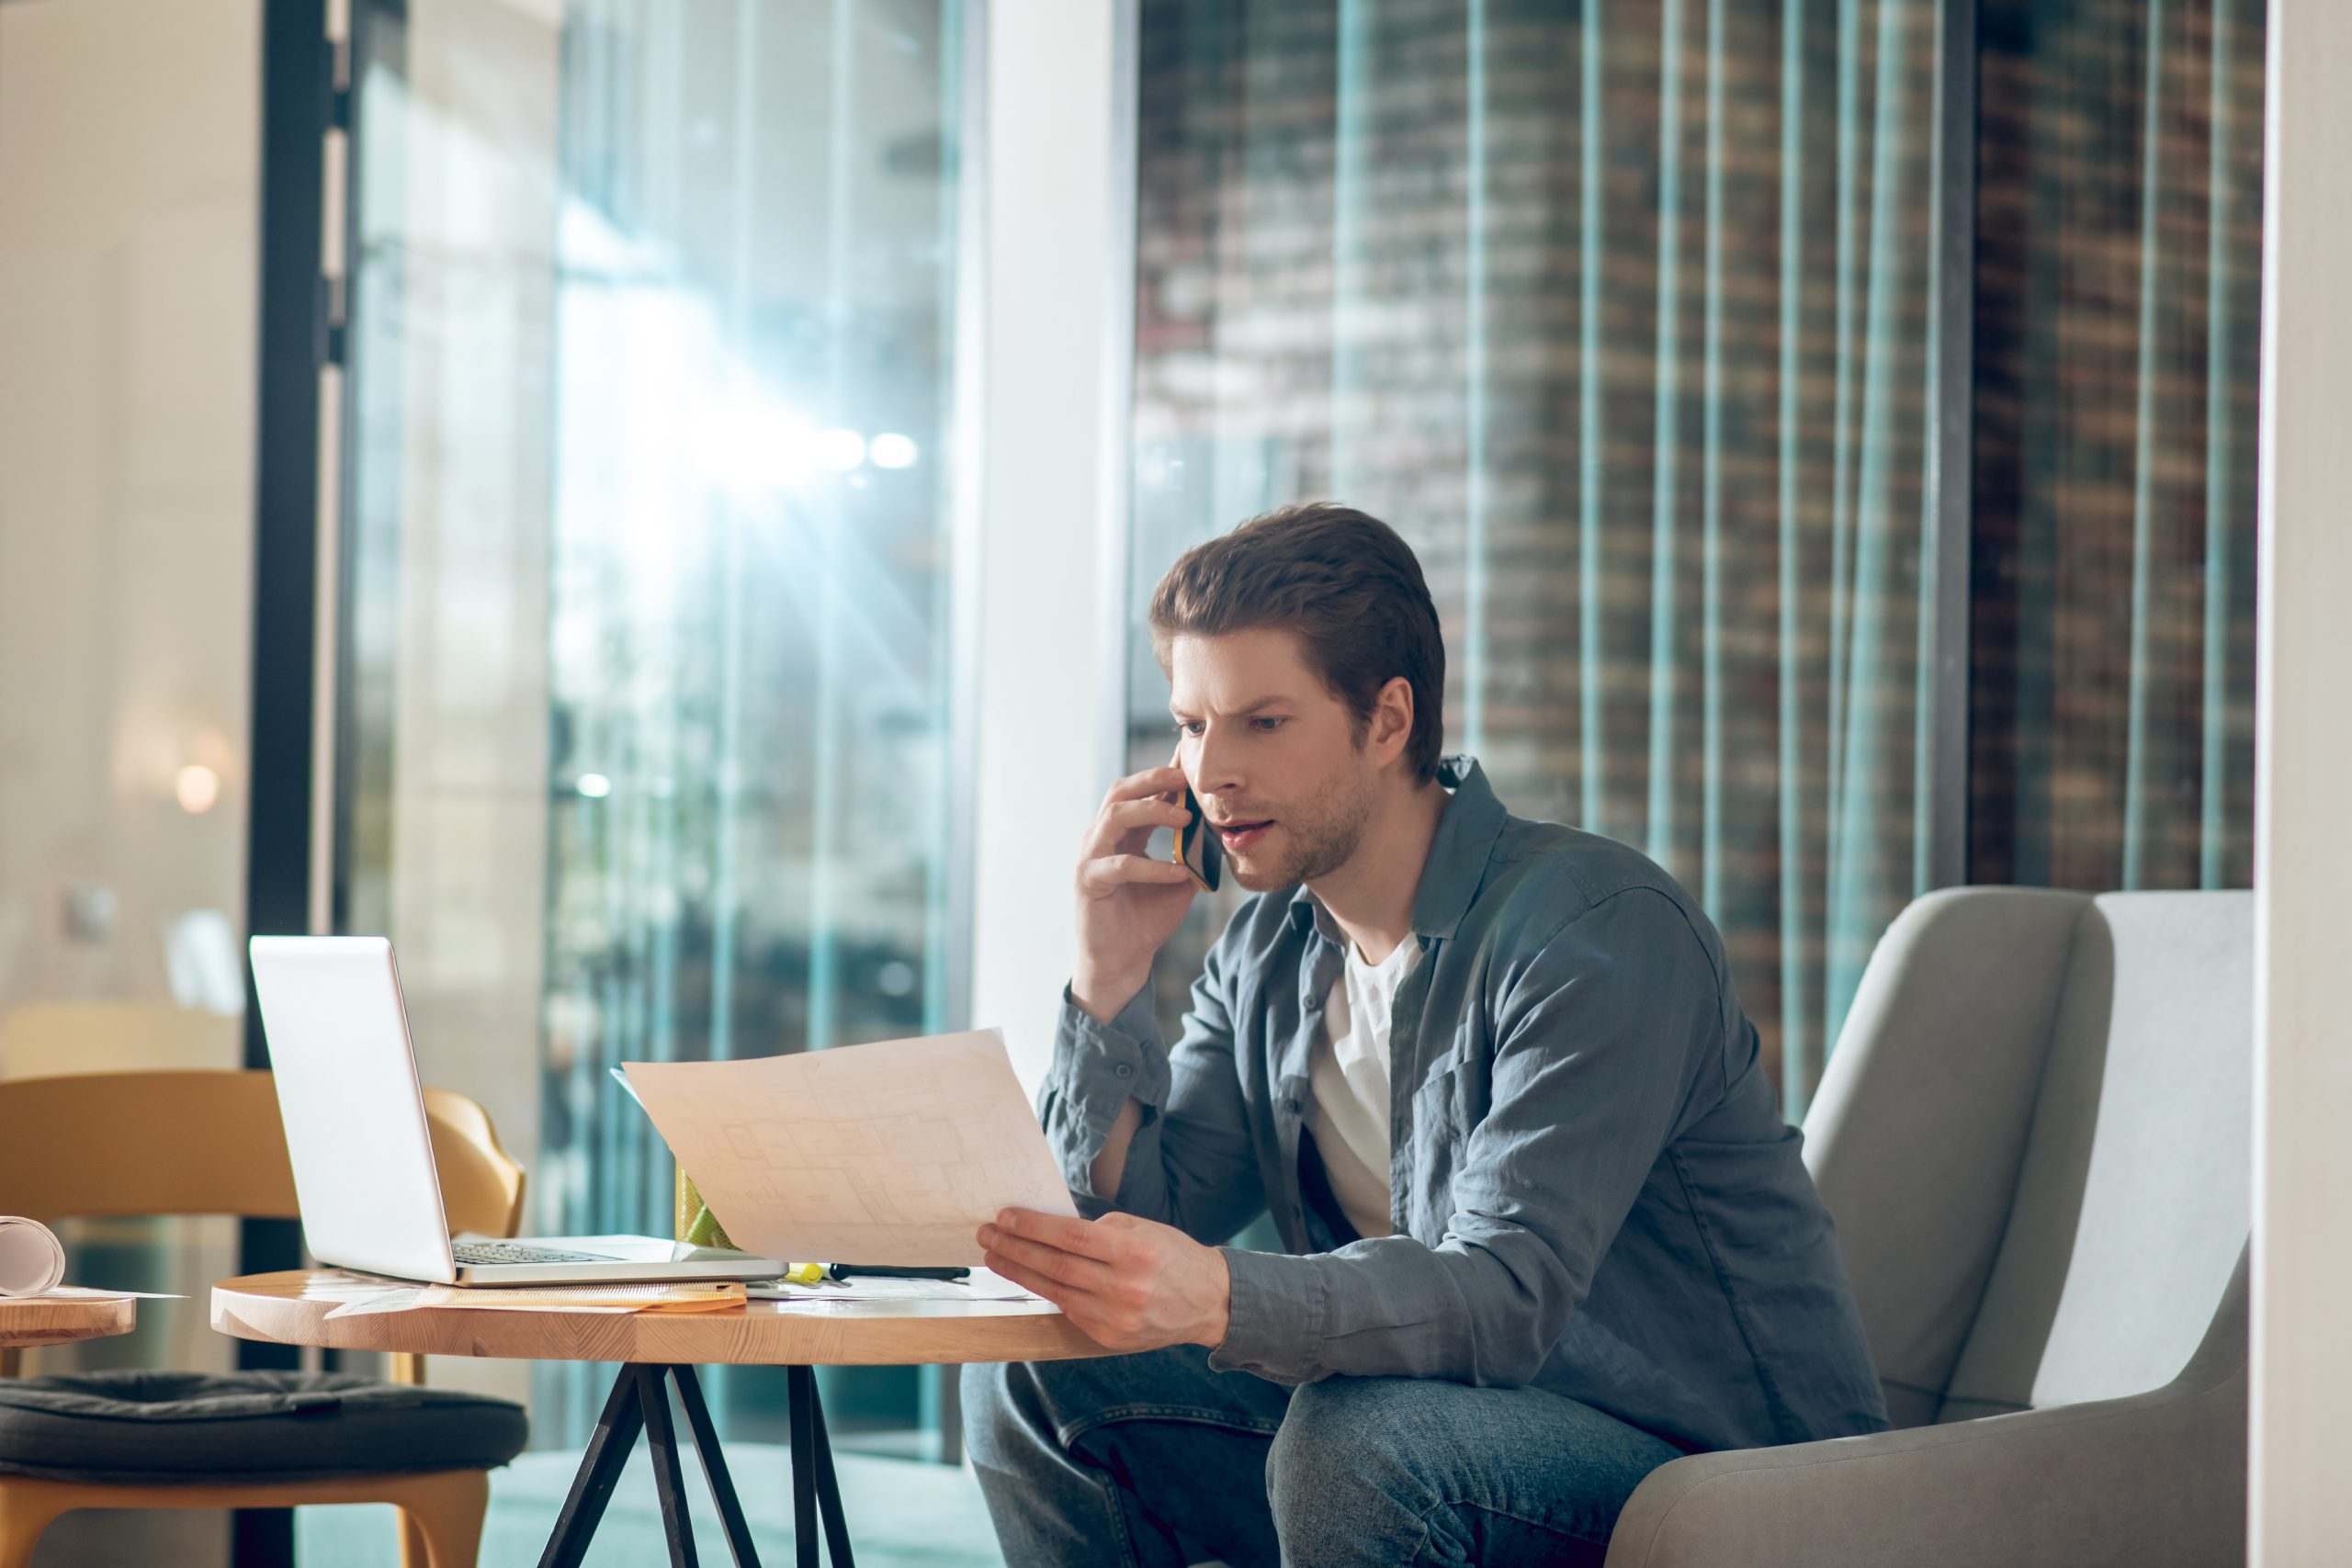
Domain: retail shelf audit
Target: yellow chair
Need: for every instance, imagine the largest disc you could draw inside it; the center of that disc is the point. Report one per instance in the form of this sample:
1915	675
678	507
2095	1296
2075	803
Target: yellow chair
110	1034
211	1142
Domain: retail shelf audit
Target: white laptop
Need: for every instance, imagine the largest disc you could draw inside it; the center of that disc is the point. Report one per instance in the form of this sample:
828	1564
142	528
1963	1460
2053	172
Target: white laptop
364	1175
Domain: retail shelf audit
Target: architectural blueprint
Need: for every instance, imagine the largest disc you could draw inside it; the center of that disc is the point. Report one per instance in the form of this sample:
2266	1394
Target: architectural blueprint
890	1153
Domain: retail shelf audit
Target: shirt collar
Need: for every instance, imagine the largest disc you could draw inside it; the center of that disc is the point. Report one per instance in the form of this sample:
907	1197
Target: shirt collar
1457	862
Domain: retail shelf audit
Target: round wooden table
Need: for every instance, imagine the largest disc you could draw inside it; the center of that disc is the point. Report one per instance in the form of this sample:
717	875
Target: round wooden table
30	1320
655	1349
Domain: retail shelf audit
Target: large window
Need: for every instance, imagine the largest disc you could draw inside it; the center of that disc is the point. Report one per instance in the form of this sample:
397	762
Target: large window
1625	314
648	643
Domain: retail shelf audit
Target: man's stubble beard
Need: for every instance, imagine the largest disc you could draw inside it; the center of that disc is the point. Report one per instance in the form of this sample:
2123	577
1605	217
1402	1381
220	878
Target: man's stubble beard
1324	844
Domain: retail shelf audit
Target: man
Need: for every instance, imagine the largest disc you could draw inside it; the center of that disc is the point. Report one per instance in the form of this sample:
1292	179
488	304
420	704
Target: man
1542	1226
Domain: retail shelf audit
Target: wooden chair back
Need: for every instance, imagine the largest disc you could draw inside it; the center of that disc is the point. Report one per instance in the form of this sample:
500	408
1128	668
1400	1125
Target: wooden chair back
116	1035
94	1144
482	1187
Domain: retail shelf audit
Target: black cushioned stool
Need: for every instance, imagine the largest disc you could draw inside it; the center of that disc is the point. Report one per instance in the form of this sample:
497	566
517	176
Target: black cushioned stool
161	1439
185	1429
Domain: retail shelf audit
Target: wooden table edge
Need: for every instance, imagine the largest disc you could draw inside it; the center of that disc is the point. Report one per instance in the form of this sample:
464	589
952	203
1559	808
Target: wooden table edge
274	1308
63	1320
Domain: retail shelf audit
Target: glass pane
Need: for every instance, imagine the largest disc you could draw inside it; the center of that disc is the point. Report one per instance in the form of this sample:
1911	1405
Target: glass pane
129	133
2121	246
650	609
1617	315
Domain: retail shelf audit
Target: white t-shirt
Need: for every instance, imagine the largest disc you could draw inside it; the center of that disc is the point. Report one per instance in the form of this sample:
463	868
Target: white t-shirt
1348	1080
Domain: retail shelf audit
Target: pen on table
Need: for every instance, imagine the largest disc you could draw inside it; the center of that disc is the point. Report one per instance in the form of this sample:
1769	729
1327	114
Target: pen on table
957	1276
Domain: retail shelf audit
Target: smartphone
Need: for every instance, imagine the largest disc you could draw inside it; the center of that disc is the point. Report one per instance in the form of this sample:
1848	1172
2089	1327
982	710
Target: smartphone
1197	845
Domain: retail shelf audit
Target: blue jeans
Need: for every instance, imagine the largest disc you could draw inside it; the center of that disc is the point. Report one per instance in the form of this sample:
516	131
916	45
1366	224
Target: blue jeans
1156	1460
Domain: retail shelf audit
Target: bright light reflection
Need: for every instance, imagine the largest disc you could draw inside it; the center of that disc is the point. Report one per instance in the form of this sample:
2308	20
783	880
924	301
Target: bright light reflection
595	786
840	450
196	788
890	449
751	444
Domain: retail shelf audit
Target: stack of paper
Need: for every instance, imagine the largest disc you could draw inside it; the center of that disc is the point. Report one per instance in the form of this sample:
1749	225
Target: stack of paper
365	1298
698	1297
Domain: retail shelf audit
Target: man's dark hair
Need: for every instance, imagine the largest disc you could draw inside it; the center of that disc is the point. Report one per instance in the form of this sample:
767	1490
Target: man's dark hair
1345	584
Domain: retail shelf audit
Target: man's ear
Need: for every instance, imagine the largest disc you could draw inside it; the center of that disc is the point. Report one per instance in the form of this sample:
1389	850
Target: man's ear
1392	720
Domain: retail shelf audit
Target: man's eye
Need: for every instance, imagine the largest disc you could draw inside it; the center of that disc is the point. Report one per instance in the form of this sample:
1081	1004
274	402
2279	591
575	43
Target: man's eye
1267	724
1188	727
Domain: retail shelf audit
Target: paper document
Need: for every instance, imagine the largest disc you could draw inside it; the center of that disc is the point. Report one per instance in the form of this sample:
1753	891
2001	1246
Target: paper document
890	1153
31	1261
368	1299
985	1285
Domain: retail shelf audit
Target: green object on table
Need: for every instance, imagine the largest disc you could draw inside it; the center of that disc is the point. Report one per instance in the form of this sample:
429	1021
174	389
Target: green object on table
696	1226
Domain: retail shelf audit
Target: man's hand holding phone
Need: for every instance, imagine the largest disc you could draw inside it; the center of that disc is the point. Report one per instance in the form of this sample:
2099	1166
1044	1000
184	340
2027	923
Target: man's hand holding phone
1128	903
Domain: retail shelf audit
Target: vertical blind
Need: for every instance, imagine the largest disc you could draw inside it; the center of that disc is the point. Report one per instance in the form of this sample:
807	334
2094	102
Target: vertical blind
1620	314
2119	256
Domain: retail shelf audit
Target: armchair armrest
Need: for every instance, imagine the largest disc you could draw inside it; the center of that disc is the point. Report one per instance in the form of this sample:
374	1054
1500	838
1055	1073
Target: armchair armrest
2153	1480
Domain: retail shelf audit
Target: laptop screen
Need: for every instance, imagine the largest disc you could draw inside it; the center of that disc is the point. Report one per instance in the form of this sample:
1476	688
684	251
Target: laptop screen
354	1111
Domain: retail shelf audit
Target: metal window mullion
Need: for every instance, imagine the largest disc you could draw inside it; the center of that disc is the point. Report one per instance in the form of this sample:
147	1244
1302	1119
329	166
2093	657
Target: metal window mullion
1796	1008
1950	508
296	86
1115	438
1351	187
1589	440
832	517
1473	681
2219	433
2137	680
1854	910
1665	492
1711	855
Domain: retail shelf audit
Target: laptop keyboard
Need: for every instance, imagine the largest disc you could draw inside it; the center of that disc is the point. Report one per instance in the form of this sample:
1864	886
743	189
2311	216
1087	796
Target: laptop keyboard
515	1252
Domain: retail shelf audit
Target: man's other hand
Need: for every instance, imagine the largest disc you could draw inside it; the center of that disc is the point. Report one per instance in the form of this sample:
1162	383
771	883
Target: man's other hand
1129	1284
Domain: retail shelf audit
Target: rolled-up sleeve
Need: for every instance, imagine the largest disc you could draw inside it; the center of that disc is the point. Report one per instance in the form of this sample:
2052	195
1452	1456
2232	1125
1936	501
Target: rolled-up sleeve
1192	1164
1602	1026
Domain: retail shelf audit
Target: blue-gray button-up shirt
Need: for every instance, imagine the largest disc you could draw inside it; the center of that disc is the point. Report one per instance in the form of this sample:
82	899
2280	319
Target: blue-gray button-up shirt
1592	1188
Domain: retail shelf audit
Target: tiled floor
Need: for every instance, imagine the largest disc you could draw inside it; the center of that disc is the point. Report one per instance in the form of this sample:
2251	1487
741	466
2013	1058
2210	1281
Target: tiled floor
901	1514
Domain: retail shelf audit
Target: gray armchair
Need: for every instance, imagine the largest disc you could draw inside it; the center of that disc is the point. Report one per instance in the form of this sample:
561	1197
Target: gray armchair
2035	1137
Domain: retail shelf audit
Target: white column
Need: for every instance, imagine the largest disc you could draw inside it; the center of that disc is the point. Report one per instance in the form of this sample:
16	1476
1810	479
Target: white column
2303	1243
1058	182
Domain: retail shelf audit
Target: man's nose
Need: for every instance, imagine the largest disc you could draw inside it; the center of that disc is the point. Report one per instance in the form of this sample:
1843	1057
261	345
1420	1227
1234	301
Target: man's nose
1214	769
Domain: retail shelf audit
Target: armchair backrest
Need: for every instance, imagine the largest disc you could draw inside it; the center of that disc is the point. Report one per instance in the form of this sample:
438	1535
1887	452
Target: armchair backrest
2034	1136
2136	1191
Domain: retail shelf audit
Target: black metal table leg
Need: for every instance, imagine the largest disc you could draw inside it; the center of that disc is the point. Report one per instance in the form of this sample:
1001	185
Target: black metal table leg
714	1468
669	1480
829	1486
800	1384
599	1472
640	1402
815	1487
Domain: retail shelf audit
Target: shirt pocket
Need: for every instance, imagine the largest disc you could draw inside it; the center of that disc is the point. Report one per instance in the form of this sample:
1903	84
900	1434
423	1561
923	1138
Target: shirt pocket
1449	1103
